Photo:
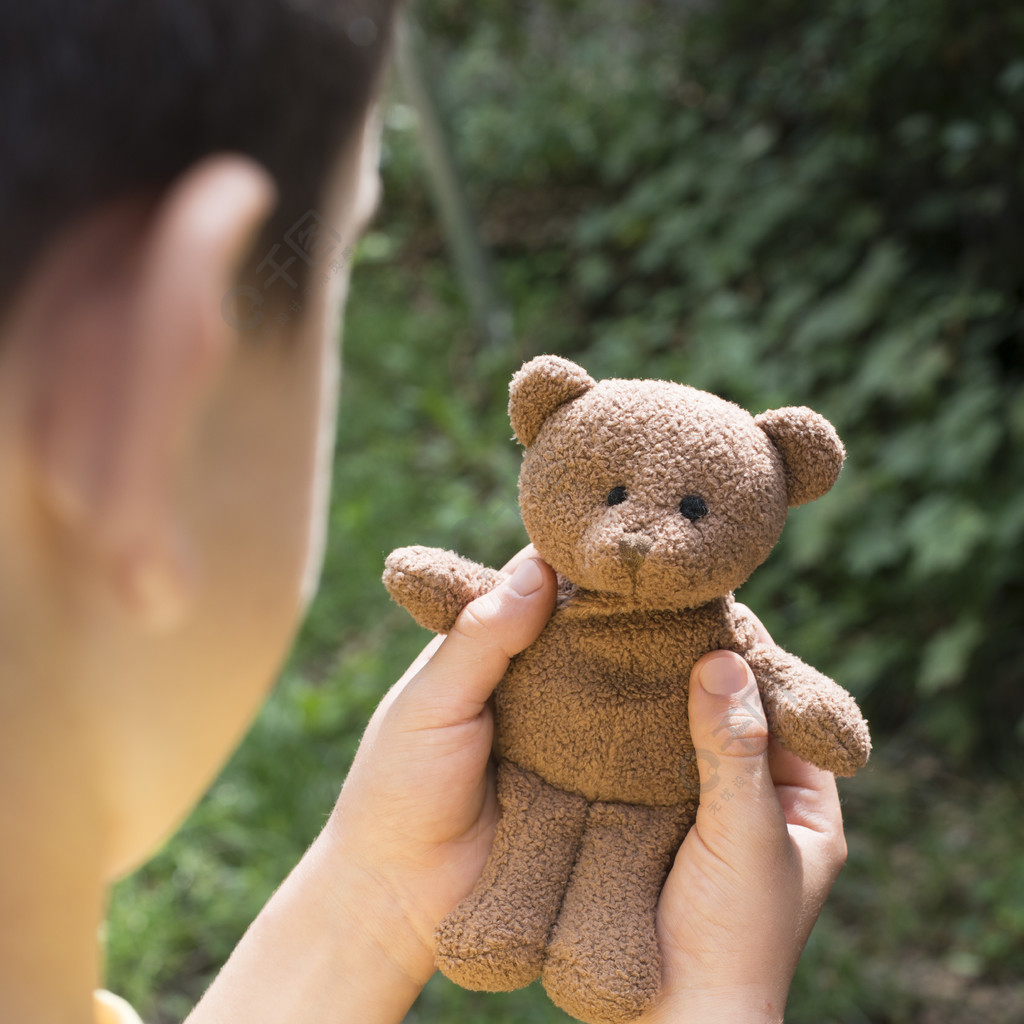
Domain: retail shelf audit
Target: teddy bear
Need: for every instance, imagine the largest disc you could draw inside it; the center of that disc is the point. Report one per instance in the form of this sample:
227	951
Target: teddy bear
653	501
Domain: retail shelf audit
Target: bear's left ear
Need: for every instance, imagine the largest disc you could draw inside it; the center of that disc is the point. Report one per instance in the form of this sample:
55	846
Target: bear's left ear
539	388
810	448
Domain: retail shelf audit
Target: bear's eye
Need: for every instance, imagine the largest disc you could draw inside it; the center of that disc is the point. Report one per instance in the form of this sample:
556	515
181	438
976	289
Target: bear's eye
693	507
617	495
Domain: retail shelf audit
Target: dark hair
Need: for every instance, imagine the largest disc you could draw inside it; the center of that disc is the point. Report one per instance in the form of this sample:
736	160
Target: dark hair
106	98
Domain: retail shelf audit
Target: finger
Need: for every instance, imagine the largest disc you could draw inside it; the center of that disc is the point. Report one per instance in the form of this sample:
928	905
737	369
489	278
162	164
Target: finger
730	736
420	661
464	670
397	689
807	794
789	770
519	557
808	799
810	802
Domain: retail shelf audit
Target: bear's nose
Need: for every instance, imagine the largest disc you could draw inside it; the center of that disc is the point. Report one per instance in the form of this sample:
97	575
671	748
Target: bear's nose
634	547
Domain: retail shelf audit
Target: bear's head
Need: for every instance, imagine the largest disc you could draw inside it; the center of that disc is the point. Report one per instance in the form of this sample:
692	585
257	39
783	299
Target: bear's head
654	494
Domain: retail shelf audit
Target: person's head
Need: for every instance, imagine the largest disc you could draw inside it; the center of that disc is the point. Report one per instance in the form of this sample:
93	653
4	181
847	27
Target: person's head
181	186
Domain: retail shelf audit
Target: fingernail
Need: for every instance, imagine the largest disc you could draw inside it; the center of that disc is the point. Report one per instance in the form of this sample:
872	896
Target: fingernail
527	578
723	676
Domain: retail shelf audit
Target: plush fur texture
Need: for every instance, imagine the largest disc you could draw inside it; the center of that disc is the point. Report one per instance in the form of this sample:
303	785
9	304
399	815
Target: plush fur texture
652	501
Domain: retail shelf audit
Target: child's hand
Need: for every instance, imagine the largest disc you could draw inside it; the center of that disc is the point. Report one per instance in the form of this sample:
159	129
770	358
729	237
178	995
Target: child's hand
418	810
752	874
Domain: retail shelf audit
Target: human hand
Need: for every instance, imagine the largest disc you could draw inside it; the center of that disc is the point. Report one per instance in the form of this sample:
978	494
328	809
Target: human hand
753	873
418	810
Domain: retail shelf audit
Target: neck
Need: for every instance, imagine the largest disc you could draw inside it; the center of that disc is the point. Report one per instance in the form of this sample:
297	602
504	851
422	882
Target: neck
52	890
52	848
579	601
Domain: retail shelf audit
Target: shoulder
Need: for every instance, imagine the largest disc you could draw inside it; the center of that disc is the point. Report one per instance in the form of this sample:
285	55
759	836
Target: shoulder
742	625
111	1009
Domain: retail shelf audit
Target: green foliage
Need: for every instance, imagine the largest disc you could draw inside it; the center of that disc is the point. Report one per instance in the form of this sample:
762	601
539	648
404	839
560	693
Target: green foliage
925	922
443	1001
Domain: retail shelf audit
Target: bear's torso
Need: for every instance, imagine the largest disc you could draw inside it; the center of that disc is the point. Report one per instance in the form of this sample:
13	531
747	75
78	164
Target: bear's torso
597	705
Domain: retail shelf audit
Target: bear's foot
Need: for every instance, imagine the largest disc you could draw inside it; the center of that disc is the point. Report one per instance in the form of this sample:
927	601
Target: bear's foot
485	960
495	939
603	964
590	987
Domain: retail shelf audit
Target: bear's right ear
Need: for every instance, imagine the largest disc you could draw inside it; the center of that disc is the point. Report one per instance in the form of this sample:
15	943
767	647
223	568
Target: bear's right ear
538	389
811	451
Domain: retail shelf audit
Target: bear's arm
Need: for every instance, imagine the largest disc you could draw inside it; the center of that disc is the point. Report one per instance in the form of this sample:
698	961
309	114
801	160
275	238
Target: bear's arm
809	714
434	585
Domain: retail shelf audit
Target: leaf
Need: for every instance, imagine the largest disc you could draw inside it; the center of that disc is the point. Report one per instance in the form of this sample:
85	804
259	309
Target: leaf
946	655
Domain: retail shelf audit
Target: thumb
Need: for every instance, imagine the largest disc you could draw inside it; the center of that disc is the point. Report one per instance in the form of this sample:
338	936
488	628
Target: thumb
463	672
730	737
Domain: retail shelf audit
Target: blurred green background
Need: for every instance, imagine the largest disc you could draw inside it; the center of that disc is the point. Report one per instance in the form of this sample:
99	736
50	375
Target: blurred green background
782	201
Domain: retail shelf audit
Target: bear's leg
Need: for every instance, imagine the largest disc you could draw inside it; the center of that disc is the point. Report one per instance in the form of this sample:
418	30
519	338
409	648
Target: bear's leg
603	964
494	940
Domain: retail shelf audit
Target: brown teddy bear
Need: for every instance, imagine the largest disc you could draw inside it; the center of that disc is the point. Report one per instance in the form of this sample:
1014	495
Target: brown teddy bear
652	501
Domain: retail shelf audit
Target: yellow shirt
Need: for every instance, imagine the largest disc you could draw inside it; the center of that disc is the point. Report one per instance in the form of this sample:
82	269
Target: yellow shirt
111	1009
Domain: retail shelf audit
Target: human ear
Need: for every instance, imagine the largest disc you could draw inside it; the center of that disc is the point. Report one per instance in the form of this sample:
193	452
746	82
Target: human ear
122	372
538	389
811	451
